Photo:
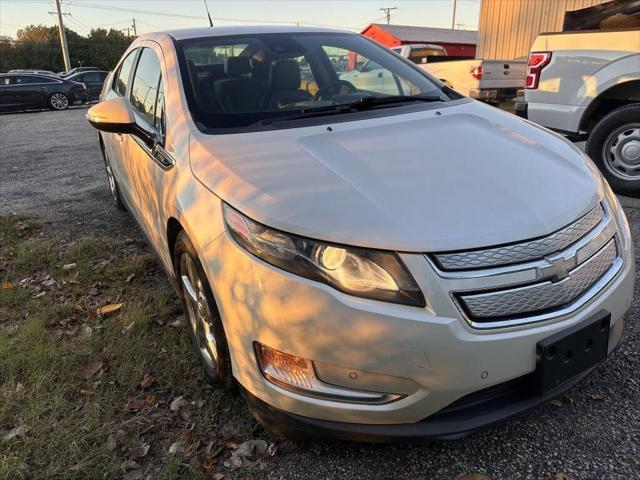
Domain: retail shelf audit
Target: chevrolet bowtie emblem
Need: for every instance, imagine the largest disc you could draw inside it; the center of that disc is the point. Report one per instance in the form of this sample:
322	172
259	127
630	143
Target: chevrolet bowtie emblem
558	268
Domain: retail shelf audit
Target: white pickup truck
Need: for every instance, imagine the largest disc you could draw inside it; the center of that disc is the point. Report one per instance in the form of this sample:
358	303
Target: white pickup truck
589	83
486	80
480	79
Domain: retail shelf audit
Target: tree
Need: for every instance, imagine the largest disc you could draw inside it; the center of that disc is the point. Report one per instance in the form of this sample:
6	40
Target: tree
38	46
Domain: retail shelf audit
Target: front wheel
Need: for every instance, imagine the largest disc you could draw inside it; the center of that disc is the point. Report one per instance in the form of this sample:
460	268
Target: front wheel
207	332
614	145
58	101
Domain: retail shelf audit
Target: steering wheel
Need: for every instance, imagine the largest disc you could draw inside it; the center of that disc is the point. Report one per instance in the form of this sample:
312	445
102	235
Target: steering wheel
334	87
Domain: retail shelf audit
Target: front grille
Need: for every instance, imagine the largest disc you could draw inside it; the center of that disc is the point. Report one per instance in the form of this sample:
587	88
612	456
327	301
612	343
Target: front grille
534	280
522	252
542	296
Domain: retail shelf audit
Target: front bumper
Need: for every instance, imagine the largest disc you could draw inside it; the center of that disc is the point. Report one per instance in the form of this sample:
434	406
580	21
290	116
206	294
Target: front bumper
475	411
431	356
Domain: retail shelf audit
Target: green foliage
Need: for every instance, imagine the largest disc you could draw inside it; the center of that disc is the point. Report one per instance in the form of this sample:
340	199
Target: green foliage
38	46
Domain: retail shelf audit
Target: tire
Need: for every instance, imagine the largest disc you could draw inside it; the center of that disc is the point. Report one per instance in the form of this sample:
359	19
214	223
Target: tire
614	145
113	184
205	325
58	101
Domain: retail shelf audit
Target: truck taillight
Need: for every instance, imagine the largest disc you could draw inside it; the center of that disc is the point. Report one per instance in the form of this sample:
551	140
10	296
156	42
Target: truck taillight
476	72
537	61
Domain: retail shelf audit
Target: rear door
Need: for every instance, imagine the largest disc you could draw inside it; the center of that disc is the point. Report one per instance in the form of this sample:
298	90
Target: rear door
28	91
94	81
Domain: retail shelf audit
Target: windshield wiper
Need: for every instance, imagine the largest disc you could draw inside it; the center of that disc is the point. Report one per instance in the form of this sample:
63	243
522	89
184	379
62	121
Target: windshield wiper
364	103
369	102
312	112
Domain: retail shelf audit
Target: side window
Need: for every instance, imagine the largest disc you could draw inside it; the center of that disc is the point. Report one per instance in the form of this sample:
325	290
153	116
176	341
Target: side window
6	81
144	89
122	79
92	77
26	79
159	112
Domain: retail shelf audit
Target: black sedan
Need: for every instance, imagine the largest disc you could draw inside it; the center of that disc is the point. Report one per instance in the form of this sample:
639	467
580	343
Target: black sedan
21	91
93	80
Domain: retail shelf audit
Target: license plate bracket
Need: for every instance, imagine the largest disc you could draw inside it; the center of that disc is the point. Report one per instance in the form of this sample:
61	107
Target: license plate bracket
569	352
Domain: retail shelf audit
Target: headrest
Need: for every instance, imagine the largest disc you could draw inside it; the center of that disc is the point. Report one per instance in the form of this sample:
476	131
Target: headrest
236	66
285	75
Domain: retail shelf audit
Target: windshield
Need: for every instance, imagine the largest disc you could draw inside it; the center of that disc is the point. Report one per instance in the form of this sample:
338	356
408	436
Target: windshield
248	79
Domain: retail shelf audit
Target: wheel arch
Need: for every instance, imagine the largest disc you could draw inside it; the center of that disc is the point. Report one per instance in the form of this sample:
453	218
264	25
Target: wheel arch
614	97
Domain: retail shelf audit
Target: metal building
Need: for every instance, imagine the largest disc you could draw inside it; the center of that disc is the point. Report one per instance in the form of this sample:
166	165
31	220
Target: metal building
507	28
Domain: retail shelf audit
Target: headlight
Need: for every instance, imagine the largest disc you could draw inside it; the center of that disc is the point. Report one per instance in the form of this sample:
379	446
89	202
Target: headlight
367	273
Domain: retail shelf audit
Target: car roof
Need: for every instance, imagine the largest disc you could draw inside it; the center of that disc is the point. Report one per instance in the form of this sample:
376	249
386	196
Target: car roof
186	33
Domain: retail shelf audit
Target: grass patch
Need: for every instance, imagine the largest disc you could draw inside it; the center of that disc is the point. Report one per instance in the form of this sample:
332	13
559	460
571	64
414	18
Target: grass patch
84	396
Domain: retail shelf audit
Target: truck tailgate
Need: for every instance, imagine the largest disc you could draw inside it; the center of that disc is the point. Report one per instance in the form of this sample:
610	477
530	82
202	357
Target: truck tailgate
503	74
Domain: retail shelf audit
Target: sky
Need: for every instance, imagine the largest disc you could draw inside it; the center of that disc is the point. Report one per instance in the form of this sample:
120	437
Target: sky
153	15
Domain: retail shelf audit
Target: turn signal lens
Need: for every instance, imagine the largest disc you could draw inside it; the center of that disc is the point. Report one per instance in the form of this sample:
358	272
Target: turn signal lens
298	375
284	369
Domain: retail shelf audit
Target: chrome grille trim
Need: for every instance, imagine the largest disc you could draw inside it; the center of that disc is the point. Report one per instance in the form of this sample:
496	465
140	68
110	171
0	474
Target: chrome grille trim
545	295
522	252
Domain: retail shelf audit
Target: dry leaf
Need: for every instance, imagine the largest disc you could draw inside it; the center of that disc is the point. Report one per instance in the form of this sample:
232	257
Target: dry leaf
147	381
555	403
111	443
129	465
20	431
597	397
250	453
130	277
141	450
135	404
85	331
69	266
7	285
176	403
175	447
150	400
209	461
19	388
86	392
109	309
21	225
191	449
90	369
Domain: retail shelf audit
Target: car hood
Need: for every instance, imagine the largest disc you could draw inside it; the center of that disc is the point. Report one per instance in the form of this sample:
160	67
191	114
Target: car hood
457	177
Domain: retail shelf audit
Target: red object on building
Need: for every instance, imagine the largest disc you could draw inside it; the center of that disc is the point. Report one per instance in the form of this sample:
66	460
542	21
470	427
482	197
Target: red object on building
457	43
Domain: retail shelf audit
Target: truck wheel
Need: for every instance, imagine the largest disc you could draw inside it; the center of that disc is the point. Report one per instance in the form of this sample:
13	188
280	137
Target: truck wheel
614	145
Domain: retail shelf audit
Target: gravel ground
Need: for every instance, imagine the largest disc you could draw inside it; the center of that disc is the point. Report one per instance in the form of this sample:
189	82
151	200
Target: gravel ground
50	166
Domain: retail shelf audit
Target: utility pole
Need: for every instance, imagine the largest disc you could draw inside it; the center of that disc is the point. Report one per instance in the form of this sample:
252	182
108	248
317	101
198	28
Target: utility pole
387	12
135	32
63	39
453	18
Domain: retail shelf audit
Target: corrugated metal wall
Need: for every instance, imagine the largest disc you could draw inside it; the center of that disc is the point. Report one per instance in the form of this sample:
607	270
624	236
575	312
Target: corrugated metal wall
507	28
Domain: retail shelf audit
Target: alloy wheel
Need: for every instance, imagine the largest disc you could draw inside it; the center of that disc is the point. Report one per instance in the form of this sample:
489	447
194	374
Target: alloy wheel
198	313
59	101
621	152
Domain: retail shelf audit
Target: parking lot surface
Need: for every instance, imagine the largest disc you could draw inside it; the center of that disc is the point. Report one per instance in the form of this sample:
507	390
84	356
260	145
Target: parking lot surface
50	166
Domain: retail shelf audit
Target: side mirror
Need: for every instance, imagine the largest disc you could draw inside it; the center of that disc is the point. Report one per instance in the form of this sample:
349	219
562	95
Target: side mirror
116	116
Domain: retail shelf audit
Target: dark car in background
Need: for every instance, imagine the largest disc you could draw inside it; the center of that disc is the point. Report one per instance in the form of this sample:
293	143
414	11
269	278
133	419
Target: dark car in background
21	91
92	80
75	70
